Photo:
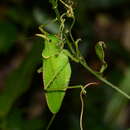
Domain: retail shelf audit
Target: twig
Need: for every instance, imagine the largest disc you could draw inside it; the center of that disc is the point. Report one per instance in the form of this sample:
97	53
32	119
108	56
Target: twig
51	121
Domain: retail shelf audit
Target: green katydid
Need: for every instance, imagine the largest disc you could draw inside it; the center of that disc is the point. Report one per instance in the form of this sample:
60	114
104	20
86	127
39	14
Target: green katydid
56	67
56	70
56	73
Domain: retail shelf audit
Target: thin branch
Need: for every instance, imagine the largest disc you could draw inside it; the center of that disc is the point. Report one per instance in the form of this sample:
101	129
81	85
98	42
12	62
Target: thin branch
103	79
51	121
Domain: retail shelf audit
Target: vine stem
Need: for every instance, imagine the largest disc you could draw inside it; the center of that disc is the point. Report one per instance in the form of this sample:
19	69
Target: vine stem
103	79
82	109
70	30
69	45
51	121
82	102
83	62
55	8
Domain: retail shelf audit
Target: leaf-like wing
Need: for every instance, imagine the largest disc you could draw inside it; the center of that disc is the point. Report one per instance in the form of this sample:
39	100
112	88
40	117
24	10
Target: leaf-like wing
56	76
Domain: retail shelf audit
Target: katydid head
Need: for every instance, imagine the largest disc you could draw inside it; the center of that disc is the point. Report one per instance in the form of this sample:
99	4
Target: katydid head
52	39
52	45
55	40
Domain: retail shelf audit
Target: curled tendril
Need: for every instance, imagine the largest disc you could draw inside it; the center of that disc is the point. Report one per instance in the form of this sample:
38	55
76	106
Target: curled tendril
83	92
62	25
70	12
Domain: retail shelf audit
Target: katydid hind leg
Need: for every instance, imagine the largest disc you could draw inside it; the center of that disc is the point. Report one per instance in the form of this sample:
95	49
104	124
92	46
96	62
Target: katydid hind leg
64	89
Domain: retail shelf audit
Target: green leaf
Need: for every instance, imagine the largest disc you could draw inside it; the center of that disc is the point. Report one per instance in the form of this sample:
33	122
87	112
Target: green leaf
99	48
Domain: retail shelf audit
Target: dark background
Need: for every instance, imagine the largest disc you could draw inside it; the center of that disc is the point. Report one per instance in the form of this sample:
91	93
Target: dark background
22	101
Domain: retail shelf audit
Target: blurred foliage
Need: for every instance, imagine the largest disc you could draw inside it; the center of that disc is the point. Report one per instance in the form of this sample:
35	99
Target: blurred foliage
22	103
15	120
6	29
18	81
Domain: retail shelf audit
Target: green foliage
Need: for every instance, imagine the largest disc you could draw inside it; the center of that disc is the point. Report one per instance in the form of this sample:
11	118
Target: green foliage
15	120
53	78
99	48
106	20
18	82
7	29
54	3
113	112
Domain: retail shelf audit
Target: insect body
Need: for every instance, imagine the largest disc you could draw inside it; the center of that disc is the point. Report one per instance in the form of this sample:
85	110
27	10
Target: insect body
56	71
